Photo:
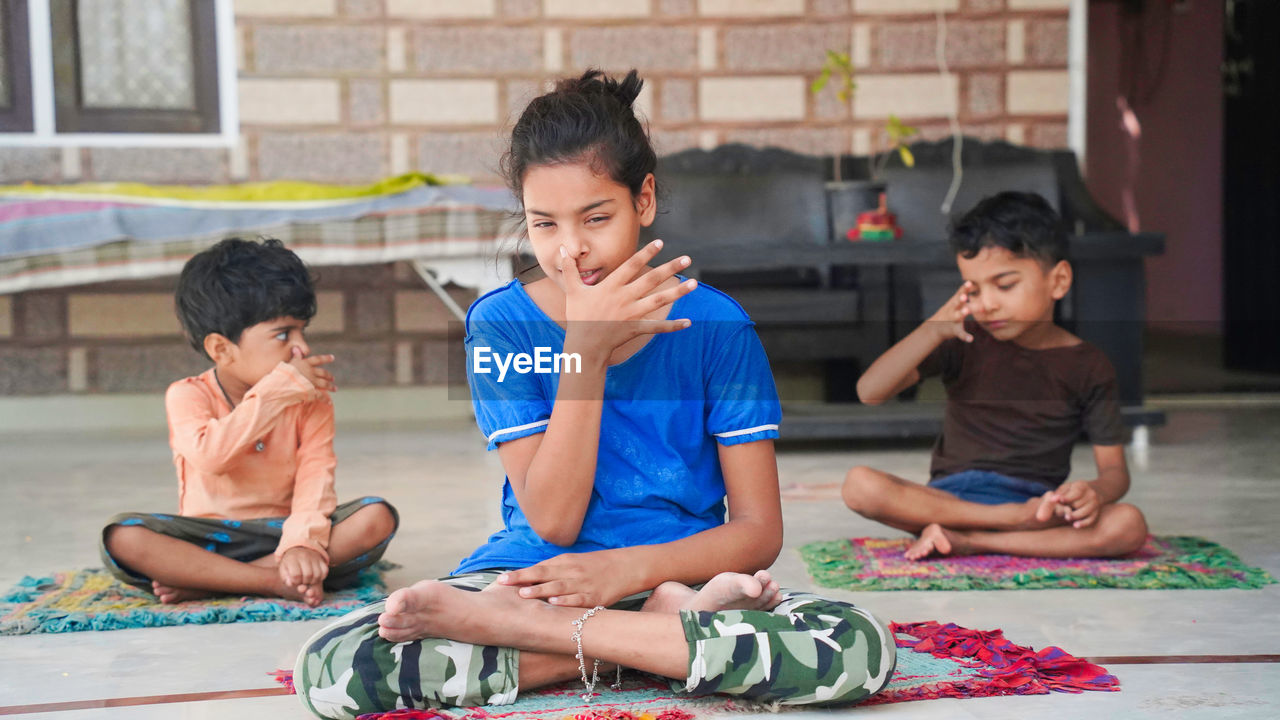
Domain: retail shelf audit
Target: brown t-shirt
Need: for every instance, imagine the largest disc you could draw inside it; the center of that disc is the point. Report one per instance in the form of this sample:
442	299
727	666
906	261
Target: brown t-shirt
1017	411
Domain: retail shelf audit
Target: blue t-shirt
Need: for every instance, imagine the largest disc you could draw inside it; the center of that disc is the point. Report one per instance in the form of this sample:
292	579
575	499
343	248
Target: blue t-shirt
666	407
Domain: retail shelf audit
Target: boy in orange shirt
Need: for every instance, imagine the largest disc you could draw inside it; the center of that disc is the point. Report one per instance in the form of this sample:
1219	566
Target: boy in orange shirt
252	442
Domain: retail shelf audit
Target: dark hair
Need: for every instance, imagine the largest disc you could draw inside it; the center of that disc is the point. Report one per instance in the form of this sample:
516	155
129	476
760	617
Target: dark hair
587	118
1022	223
237	284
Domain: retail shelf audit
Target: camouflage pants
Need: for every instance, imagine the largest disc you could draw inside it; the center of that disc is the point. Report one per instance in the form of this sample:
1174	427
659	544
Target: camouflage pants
807	650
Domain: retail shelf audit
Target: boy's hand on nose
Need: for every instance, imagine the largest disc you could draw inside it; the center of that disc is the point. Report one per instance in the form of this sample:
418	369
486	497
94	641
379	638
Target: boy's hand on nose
949	320
310	367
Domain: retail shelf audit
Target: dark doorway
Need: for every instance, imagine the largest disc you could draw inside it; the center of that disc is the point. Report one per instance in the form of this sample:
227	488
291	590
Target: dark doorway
1251	185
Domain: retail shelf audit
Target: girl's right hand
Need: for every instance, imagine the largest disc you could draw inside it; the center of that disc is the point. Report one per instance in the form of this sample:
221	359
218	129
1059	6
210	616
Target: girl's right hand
622	306
949	320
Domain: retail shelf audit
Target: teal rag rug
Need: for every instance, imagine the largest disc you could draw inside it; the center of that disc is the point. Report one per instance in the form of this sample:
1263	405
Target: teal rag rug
79	600
1165	562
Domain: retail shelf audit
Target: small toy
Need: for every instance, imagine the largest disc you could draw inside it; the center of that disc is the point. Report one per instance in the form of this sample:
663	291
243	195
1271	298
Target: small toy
876	225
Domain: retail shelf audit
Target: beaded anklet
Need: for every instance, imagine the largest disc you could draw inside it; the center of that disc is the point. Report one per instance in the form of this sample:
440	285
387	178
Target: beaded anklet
590	685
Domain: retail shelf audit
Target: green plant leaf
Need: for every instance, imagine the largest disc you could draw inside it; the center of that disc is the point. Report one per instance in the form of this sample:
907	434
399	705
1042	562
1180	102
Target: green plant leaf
908	158
821	81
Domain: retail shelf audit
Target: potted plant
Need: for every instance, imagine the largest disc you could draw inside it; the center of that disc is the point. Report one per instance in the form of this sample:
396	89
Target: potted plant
847	199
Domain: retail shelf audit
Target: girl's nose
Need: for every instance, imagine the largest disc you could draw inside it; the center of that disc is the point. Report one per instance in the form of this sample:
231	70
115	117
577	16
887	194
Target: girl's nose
302	345
575	246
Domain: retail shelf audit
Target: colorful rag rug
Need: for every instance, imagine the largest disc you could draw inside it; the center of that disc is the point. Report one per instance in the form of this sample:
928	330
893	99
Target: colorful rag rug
92	599
934	661
1165	562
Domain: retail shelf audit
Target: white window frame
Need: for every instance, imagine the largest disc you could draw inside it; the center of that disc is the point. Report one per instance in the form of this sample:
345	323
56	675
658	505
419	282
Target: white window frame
44	133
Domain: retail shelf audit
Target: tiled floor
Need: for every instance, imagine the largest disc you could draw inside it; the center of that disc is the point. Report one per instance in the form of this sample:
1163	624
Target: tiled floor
1212	471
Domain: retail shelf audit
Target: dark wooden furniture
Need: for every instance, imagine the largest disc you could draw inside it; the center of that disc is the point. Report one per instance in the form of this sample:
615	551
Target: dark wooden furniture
755	223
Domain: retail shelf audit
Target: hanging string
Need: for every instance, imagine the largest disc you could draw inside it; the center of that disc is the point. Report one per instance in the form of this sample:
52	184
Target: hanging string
957	139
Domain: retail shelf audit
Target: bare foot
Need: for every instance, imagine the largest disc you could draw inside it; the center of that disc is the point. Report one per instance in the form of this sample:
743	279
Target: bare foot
736	591
937	540
430	608
312	595
726	591
669	597
171	595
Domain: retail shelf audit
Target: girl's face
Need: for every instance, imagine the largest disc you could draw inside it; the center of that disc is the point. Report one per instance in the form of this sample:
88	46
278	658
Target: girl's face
592	216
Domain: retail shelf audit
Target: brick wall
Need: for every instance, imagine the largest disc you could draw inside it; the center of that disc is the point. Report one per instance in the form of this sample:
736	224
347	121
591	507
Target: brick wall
352	90
380	321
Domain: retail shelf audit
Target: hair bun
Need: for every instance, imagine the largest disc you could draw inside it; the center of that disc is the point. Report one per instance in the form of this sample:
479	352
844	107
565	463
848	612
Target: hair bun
595	82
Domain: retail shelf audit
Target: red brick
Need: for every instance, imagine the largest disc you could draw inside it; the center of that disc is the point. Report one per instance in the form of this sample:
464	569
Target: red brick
477	50
442	362
782	47
521	9
342	277
143	368
32	371
19	165
363	8
677	8
984	131
827	104
366	103
973	7
1047	42
322	157
372	312
829	8
41	315
158	165
985	95
518	94
676	101
669	142
622	48
914	45
316	50
1049	136
362	363
813	141
474	153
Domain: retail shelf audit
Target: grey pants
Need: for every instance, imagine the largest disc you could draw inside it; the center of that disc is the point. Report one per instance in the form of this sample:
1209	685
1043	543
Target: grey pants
242	540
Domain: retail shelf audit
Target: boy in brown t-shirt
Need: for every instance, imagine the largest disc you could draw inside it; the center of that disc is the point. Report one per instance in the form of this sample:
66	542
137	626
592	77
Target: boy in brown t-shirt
1020	390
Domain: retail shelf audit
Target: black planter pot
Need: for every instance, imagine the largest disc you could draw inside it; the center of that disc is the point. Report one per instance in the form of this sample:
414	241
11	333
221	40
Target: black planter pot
846	199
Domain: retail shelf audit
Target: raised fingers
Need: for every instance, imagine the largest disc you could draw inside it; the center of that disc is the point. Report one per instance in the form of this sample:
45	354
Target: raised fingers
655	277
670	295
636	264
656	327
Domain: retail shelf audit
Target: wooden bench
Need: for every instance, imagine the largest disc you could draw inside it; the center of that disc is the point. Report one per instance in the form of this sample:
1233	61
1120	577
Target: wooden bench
755	222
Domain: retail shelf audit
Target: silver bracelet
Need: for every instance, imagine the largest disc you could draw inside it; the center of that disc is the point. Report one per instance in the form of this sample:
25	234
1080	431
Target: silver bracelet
590	685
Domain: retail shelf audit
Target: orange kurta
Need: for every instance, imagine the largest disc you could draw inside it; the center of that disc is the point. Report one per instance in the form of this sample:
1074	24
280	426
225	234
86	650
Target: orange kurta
271	456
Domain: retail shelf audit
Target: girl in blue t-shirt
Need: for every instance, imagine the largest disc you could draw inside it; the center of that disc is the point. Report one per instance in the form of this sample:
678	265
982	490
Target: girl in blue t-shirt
627	405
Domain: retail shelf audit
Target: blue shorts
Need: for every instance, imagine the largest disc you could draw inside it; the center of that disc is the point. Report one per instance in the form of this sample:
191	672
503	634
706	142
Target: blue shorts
989	488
